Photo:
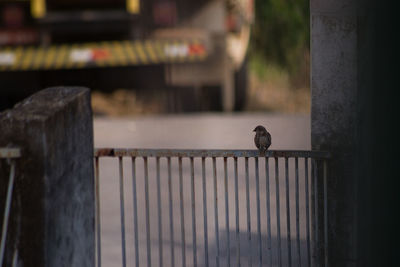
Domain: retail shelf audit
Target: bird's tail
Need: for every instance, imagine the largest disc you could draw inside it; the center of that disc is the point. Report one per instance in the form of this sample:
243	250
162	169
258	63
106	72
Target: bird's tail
262	152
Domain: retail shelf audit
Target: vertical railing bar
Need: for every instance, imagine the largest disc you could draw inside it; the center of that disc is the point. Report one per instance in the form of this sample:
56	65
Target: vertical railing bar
193	213
296	162
319	238
182	213
171	219
146	191
268	206
246	162
98	223
203	172
15	258
326	248
160	245
316	229
258	211
278	218
122	206
216	210
7	208
237	211
135	213
307	211
289	247
227	211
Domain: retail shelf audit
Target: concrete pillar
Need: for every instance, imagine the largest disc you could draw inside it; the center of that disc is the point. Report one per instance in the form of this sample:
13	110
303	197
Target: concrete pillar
52	214
334	31
352	77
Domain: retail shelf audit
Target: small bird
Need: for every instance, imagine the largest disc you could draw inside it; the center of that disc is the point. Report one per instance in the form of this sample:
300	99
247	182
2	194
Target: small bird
262	139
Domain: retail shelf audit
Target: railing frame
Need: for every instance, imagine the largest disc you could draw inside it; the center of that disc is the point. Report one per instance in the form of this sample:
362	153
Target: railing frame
10	154
319	243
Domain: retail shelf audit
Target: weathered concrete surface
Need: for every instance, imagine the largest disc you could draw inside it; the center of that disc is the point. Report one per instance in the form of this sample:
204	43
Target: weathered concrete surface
352	115
52	217
334	32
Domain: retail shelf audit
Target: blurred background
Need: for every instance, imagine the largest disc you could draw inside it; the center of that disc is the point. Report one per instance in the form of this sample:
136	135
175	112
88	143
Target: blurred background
159	56
230	64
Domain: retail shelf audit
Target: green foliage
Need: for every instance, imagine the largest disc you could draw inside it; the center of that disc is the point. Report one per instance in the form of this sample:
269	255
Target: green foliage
281	31
267	71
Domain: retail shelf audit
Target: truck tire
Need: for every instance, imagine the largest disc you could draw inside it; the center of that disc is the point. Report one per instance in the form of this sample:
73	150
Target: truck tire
212	98
241	83
198	99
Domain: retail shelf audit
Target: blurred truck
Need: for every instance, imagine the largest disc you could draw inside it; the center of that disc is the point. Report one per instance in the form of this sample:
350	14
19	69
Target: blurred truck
198	45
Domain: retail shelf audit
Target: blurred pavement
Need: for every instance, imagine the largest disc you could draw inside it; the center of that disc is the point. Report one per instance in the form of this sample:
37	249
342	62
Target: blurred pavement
213	131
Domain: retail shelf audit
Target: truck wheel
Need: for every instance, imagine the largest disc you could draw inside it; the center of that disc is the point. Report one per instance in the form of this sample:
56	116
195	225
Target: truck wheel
183	99
241	79
212	98
194	99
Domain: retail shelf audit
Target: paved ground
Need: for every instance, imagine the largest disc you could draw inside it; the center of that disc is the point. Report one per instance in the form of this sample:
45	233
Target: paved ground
213	131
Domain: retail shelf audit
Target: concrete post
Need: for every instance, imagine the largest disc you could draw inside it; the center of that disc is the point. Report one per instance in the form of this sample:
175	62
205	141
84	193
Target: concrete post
334	115
52	214
354	75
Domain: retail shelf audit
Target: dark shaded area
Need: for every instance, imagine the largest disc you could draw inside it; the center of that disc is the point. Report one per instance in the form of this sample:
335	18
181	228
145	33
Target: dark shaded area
249	250
377	179
87	4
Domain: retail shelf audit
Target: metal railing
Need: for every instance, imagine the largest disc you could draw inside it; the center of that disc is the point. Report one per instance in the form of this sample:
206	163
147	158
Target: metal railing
164	206
9	154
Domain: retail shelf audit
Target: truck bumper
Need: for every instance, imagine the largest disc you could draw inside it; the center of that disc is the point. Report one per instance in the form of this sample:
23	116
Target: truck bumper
103	54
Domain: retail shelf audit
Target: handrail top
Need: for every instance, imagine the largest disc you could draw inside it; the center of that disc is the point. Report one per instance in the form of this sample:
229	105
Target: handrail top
210	153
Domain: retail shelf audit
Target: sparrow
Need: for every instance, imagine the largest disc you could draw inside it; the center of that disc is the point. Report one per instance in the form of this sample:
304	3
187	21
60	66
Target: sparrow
262	139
